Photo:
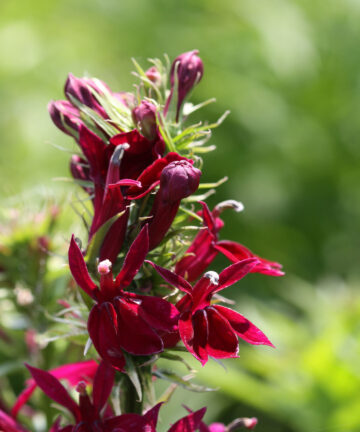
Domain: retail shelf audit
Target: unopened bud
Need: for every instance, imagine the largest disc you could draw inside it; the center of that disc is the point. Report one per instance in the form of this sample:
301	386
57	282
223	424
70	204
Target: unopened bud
188	68
213	277
65	116
179	180
144	116
104	267
80	89
153	75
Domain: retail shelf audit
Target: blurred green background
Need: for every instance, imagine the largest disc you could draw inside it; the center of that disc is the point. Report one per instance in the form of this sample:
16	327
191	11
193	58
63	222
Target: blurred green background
289	72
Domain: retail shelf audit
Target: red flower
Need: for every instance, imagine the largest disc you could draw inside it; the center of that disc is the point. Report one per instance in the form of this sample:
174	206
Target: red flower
207	329
122	320
87	413
72	373
206	246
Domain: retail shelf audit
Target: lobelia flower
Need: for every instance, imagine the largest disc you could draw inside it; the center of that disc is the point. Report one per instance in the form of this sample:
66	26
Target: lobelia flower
189	68
121	320
72	373
178	180
209	329
206	245
88	413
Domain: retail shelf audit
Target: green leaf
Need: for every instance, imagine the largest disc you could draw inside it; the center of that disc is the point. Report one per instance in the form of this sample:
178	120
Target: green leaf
181	381
132	373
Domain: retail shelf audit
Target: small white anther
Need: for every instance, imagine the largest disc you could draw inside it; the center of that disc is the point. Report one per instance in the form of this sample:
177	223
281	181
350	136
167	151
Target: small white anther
104	267
230	204
213	276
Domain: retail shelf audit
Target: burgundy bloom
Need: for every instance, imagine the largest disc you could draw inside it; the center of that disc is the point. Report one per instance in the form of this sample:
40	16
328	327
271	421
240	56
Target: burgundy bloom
72	373
177	181
206	245
209	329
65	116
190	69
87	413
144	116
121	320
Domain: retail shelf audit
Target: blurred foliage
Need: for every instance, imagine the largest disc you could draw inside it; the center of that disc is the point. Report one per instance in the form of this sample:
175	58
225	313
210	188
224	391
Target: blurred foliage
289	73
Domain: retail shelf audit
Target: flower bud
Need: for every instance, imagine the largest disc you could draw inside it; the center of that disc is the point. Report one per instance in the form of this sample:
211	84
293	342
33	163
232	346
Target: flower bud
65	116
80	89
189	69
153	75
144	116
179	180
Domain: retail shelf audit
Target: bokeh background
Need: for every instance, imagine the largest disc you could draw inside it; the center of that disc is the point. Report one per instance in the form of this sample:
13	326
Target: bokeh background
289	72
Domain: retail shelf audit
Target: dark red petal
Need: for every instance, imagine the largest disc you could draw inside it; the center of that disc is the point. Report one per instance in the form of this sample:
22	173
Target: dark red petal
103	384
79	270
102	327
151	416
94	150
134	334
243	327
236	252
150	177
172	278
201	335
222	340
52	387
134	258
190	423
187	334
198	257
8	424
127	423
126	182
73	373
114	238
235	272
208	218
158	313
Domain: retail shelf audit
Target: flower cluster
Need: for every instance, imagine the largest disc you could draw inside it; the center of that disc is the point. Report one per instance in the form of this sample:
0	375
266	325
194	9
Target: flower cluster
137	162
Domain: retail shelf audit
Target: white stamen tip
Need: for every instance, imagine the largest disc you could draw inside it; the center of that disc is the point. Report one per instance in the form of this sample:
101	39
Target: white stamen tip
104	267
213	276
232	204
